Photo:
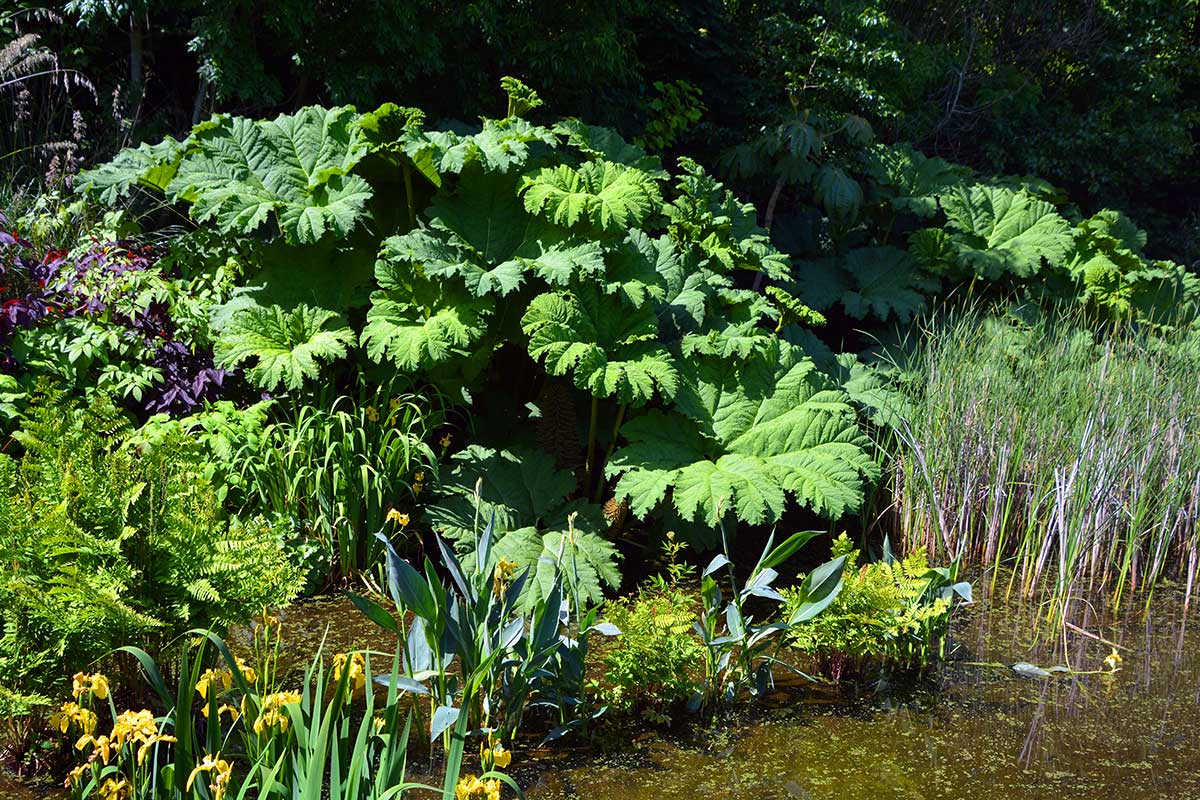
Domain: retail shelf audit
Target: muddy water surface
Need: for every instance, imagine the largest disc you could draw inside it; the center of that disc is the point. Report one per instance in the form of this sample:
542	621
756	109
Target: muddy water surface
973	731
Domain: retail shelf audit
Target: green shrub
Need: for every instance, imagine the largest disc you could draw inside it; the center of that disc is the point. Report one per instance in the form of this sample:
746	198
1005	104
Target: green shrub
651	666
103	546
890	612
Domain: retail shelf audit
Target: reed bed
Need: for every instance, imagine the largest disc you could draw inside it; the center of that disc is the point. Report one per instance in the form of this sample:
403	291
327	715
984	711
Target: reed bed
1071	456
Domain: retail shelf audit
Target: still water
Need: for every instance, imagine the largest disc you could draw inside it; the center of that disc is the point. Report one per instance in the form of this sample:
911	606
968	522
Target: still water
971	731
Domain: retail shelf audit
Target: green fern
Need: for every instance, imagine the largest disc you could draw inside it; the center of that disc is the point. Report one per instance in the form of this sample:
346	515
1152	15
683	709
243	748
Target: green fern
286	346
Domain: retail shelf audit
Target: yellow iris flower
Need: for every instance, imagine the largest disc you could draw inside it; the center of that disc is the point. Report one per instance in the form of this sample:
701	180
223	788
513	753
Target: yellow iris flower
71	714
95	683
471	788
493	755
502	575
273	713
102	746
113	789
218	769
357	677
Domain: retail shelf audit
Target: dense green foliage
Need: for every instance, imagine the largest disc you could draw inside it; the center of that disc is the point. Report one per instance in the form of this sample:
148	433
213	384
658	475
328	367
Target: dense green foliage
620	282
483	363
104	546
894	612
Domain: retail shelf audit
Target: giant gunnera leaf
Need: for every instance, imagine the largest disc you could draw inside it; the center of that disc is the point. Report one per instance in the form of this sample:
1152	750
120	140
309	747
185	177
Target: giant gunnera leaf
284	346
294	169
612	197
479	234
149	165
416	322
534	524
610	349
744	437
999	231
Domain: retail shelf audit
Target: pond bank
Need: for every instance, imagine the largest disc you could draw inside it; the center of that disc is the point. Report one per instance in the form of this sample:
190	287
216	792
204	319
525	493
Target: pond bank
969	730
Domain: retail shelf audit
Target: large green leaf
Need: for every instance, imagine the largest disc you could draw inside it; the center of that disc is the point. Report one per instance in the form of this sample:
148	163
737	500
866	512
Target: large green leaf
480	234
285	346
879	281
1001	231
418	323
295	168
609	348
908	180
526	496
710	223
499	146
751	433
612	197
149	165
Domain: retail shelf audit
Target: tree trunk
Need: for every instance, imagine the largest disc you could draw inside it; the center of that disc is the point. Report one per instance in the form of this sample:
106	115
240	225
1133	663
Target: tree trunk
137	70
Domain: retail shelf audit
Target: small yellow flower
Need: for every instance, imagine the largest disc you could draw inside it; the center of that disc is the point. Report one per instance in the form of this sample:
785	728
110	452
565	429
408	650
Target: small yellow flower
101	746
1113	660
224	708
417	488
394	403
218	769
144	750
221	679
398	517
357	676
471	788
379	724
493	755
502	575
248	673
113	789
445	441
419	476
75	776
371	414
273	713
73	714
96	683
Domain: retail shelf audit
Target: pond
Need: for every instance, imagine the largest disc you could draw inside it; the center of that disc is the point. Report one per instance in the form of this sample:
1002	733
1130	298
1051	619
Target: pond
974	729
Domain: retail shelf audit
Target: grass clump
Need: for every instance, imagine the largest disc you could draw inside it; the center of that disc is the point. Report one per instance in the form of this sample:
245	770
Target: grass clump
1072	455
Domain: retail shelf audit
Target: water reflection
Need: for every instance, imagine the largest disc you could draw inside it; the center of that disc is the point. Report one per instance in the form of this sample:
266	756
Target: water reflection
976	731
